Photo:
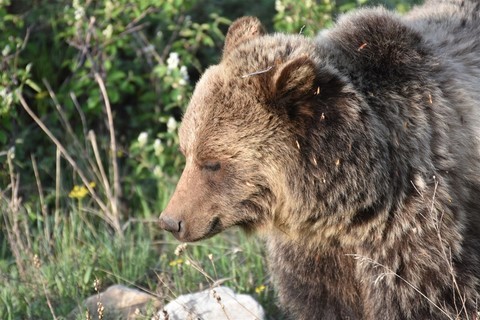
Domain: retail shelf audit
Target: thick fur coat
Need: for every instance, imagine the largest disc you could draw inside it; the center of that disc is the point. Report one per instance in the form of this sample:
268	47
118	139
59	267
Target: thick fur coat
355	155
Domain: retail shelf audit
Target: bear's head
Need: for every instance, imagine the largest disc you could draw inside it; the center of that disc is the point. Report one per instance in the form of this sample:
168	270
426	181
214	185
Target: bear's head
253	140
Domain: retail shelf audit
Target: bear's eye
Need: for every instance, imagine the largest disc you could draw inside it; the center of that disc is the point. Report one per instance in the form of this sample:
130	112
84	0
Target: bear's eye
211	166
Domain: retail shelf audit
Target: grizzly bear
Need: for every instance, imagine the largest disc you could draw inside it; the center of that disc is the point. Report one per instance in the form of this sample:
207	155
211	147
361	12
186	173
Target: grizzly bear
355	155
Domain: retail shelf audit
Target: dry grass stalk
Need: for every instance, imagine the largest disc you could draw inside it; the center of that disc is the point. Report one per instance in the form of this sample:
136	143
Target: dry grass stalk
80	113
109	217
58	182
43	206
66	124
37	265
218	299
103	177
11	219
63	116
256	73
113	151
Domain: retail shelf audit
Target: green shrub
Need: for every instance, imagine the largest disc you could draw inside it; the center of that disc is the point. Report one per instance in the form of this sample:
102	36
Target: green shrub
142	51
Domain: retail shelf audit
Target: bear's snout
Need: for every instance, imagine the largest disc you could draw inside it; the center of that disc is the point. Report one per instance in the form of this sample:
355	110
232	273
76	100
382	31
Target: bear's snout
170	224
176	225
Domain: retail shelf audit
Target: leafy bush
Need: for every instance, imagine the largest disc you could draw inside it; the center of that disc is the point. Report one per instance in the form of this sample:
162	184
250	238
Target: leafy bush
139	49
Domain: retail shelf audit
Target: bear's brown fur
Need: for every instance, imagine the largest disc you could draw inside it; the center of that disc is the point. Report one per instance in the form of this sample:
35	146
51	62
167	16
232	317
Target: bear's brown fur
355	154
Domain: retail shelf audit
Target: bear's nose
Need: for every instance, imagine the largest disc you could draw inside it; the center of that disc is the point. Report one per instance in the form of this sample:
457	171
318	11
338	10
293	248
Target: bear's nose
170	224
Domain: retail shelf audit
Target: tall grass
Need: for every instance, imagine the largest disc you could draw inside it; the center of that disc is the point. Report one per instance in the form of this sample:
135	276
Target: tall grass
52	274
60	273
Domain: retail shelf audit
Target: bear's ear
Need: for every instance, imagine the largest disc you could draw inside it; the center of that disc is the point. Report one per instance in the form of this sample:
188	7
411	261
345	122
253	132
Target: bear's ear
241	30
301	88
295	79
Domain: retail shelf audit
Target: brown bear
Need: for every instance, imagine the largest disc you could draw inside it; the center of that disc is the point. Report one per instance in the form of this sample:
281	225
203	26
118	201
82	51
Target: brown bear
355	155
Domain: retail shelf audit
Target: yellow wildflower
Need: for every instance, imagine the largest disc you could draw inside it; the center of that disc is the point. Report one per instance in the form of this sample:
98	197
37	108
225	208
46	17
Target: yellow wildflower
260	289
176	262
79	192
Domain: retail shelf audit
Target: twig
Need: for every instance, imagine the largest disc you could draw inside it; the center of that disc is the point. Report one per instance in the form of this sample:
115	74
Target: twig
173	36
131	30
142	15
144	43
301	29
17	52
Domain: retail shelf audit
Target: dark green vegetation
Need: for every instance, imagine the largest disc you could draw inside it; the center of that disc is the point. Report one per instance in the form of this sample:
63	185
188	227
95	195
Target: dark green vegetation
91	93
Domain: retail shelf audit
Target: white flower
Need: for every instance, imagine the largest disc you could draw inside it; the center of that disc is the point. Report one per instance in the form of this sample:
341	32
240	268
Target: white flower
279	6
158	147
79	10
142	138
6	96
11	152
173	61
108	31
6	50
184	76
171	124
109	8
157	171
148	49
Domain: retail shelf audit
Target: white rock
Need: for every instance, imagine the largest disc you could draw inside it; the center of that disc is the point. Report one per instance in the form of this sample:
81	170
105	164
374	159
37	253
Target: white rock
213	304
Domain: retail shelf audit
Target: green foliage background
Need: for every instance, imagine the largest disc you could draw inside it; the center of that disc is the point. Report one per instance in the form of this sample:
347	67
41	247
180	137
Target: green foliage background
148	53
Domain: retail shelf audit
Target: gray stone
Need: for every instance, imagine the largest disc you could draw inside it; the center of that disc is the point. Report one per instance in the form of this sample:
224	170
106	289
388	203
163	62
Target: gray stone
119	303
213	304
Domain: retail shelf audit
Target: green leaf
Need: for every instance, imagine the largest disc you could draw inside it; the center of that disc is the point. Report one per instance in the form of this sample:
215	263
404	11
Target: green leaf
87	275
33	85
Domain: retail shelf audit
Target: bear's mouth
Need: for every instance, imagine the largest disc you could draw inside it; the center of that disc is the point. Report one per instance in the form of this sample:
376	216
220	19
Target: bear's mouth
215	227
